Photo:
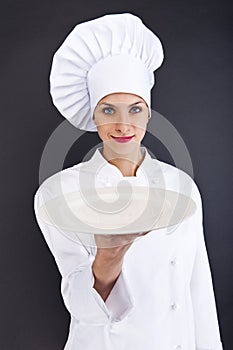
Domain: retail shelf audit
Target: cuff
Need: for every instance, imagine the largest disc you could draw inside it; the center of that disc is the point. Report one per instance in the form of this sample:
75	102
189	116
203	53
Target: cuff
120	300
86	305
82	301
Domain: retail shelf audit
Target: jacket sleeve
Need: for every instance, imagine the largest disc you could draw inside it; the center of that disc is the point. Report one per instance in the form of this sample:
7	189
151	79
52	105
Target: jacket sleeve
207	333
74	262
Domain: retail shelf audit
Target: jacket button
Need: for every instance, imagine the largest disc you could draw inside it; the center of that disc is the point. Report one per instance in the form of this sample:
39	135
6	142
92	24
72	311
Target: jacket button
173	262
174	306
178	347
155	181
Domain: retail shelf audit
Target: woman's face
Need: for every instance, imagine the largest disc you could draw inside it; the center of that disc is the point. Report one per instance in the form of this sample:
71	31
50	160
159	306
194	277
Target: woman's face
121	120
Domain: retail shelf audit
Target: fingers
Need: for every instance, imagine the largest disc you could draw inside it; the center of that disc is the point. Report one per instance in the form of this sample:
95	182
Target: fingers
111	241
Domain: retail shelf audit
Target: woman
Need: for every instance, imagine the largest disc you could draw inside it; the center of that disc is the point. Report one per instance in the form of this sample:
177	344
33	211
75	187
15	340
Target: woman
122	292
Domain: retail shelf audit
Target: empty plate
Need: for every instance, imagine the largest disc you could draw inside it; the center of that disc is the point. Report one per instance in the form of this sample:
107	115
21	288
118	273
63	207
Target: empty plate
117	210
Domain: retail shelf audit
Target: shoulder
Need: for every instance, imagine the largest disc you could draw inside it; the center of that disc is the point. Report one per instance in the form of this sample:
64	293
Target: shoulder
63	181
176	179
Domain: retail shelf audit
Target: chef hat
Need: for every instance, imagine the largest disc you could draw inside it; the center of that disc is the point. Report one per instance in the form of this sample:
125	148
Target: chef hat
113	53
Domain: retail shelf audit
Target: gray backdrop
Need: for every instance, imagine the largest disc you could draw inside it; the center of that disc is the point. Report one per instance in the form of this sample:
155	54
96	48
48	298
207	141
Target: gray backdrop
193	90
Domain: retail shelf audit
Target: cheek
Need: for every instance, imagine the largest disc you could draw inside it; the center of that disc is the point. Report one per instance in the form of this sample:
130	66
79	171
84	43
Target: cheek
140	123
141	129
103	131
141	134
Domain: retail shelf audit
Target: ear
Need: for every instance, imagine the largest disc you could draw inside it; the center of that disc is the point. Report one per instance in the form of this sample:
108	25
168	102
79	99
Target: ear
93	118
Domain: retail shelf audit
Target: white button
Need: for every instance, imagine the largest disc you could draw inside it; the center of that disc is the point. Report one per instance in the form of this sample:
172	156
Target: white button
155	181
174	306
108	184
173	262
114	324
178	347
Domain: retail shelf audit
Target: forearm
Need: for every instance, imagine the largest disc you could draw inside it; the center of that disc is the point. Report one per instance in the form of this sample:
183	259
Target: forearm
106	269
109	259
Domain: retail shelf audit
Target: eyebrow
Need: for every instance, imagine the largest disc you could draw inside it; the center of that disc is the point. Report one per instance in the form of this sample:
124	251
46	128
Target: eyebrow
109	104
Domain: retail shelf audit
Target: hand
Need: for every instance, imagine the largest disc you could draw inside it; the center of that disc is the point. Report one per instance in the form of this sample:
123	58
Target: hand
118	242
109	258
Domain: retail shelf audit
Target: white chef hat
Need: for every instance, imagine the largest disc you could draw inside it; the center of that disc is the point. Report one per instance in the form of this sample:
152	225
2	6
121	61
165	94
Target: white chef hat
113	53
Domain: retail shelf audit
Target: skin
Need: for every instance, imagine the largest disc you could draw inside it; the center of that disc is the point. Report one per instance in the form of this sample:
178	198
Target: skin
118	115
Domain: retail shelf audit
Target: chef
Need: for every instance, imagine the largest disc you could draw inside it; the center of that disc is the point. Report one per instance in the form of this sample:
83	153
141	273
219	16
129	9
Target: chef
142	291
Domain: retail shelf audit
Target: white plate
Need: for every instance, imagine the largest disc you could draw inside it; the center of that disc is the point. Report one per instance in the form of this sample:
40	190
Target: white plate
113	210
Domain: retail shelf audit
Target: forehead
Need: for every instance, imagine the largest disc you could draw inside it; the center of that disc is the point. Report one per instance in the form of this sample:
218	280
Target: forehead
121	98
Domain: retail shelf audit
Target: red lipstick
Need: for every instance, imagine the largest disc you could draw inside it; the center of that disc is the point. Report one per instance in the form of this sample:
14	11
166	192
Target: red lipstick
122	139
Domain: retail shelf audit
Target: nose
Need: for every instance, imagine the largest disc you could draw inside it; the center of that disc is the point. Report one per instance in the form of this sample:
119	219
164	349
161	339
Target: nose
123	123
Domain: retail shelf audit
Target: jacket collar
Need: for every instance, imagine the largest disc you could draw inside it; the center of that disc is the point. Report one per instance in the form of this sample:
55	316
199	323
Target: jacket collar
100	165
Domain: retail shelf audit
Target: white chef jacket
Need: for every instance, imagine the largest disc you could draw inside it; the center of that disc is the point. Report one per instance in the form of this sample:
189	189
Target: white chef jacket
163	298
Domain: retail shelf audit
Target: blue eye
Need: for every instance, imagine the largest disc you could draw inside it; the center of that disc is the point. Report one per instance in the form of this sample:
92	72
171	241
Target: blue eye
108	110
135	109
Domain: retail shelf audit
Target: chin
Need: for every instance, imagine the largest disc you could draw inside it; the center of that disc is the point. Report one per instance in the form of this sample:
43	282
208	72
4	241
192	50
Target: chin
121	148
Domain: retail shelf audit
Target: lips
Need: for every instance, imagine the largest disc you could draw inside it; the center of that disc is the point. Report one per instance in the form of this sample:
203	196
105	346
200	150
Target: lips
122	139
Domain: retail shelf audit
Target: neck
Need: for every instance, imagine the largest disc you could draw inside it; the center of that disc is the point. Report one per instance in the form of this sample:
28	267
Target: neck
127	163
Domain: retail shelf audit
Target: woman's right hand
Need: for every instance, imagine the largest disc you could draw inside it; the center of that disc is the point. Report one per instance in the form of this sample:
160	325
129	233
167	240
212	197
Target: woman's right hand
117	241
109	259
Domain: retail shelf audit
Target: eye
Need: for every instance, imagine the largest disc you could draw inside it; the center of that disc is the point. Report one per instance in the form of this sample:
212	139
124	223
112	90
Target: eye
135	109
108	110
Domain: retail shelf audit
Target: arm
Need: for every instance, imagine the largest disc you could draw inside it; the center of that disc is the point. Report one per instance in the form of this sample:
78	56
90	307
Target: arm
106	270
204	308
79	286
109	260
107	267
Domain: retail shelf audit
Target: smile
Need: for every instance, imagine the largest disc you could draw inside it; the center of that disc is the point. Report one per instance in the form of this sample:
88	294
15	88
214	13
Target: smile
122	139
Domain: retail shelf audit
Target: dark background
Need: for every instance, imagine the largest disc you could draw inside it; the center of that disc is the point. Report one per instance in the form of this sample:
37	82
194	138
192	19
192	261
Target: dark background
193	91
